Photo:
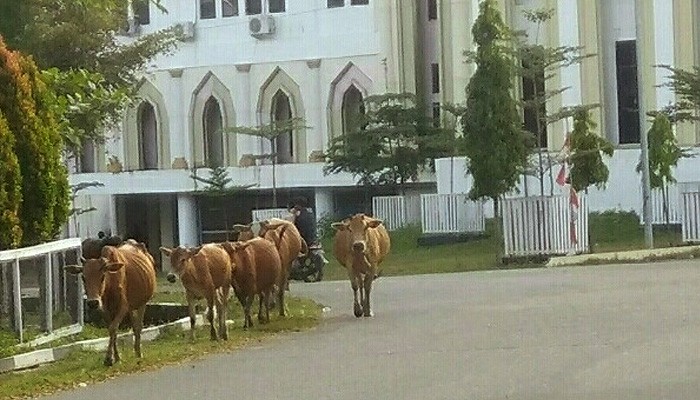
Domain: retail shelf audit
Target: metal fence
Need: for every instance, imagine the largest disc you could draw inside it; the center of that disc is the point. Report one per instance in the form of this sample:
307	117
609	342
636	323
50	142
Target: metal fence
263	214
36	291
396	211
534	226
451	213
690	223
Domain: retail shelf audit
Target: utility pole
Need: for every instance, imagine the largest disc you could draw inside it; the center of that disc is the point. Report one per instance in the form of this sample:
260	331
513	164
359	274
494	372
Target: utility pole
644	141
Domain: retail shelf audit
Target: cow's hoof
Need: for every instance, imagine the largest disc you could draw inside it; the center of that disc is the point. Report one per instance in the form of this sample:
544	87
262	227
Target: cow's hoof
369	314
358	311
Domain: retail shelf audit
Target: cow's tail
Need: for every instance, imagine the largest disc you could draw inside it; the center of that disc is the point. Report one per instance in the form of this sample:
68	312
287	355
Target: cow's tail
304	248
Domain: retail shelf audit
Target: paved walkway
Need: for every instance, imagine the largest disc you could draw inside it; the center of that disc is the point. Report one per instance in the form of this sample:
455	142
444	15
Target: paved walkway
602	332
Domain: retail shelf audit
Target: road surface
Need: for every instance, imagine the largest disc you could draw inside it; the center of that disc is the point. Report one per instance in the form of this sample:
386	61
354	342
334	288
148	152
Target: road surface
603	332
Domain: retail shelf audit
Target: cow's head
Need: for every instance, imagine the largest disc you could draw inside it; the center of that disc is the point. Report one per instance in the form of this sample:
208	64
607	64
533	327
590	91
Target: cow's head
94	272
247	232
180	260
232	248
357	226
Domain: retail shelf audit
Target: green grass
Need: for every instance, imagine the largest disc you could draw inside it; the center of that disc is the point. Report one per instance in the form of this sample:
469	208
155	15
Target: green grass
173	347
622	231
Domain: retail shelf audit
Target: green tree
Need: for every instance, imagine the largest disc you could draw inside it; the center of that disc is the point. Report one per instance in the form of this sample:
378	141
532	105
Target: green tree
686	85
494	142
24	101
587	150
92	71
270	132
10	189
664	154
393	140
537	65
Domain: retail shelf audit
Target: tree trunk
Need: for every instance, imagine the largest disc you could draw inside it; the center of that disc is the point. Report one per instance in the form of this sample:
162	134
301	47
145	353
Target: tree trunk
664	199
498	230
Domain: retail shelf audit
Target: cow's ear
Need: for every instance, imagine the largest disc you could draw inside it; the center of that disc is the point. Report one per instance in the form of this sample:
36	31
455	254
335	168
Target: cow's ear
195	250
339	226
166	251
373	223
114	266
238	228
73	269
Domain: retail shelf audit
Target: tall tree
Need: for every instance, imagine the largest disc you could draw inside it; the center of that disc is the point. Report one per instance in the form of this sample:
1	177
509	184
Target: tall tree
494	142
393	139
664	154
38	146
538	65
95	70
10	189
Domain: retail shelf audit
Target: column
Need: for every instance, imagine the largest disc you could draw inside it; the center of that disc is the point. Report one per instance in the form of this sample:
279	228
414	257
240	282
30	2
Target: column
685	38
323	198
245	144
167	229
179	144
113	223
592	67
317	136
187	223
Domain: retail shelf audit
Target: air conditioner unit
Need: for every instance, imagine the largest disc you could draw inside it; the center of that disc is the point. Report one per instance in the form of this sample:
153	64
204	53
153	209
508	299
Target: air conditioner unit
187	30
261	26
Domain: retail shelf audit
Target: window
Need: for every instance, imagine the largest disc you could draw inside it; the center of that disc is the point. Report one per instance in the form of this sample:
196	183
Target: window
432	10
276	6
229	8
627	95
213	137
435	72
359	2
253	7
207	9
148	136
142	11
436	115
283	145
335	3
534	89
353	107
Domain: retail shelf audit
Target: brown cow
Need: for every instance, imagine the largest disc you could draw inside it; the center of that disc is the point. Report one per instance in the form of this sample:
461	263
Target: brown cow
361	243
287	240
118	283
256	269
92	248
205	272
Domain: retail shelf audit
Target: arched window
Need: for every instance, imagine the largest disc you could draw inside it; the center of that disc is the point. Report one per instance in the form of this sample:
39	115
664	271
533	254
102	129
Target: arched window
281	111
353	106
148	136
213	136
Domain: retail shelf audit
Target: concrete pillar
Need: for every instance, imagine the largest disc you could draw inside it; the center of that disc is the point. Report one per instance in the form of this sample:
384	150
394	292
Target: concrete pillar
167	229
187	223
179	145
245	144
317	136
323	198
113	223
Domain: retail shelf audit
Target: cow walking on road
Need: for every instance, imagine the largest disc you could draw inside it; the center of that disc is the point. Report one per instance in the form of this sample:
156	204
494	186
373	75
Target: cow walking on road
361	243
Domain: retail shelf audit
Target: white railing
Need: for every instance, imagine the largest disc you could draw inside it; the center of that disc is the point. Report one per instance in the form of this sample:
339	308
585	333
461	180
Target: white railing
691	217
396	211
451	213
263	214
535	226
674	202
38	269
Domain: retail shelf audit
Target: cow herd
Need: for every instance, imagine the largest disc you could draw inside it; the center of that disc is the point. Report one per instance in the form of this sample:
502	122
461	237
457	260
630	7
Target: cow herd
120	277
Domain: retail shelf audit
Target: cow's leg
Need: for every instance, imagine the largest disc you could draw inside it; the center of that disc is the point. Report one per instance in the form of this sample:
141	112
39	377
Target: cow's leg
136	326
368	288
280	298
246	310
112	355
223	313
354	282
193	317
211	302
261	317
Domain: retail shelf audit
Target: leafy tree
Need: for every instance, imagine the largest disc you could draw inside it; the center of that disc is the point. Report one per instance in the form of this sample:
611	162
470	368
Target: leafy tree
393	140
10	189
686	85
94	71
664	154
537	65
587	150
271	131
24	101
494	142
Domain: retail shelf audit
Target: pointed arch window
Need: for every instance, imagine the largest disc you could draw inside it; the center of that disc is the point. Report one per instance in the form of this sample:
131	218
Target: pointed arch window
284	144
147	136
213	133
353	107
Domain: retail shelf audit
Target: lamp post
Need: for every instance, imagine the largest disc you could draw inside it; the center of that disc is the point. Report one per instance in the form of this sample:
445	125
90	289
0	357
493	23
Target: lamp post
644	141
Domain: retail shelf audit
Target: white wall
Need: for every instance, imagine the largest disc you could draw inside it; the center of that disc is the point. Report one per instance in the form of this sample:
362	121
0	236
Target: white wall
623	192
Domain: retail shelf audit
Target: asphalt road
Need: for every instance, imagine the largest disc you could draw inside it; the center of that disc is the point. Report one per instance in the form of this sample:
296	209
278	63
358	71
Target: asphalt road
607	332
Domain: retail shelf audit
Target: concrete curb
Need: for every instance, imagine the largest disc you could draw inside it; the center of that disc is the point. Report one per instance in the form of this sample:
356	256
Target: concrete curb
625	256
43	356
